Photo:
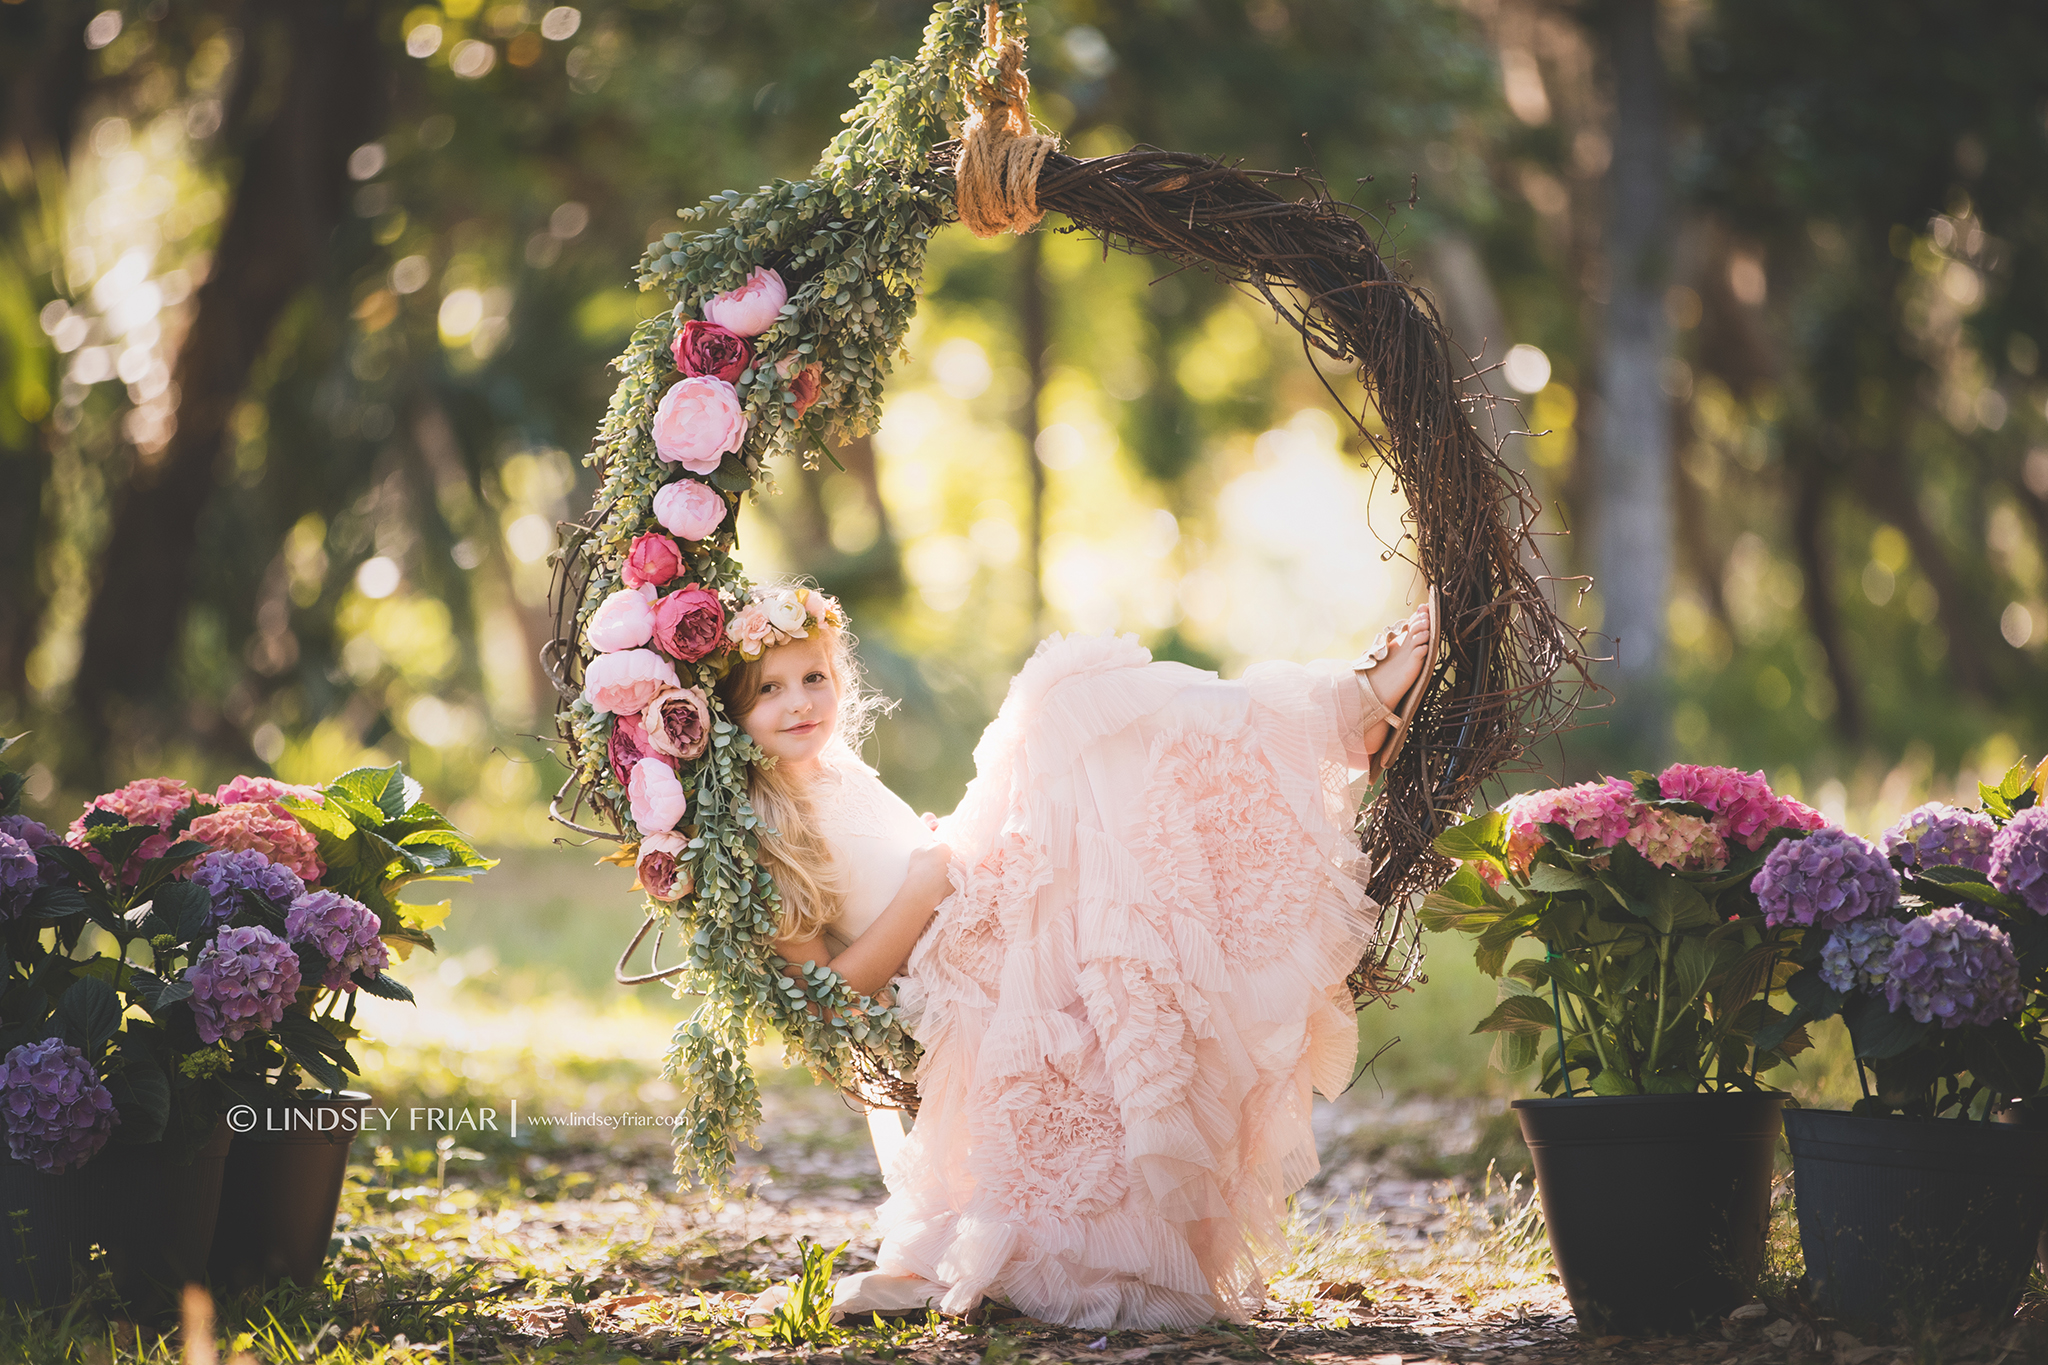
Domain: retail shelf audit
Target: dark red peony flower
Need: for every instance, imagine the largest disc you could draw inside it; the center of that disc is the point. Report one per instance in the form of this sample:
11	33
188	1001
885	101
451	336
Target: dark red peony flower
704	349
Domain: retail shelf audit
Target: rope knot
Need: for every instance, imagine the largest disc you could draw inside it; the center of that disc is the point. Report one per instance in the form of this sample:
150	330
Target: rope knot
1000	155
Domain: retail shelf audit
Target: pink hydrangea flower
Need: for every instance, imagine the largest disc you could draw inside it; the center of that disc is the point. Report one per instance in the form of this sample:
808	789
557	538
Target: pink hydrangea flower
261	827
750	309
1669	839
146	801
657	797
624	620
689	510
698	421
246	788
1744	806
626	681
1598	811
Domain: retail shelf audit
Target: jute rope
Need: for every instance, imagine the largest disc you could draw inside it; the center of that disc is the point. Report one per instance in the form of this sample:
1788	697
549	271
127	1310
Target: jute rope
1000	155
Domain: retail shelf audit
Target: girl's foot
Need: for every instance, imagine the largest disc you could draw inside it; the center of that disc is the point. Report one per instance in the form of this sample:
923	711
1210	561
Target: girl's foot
1395	664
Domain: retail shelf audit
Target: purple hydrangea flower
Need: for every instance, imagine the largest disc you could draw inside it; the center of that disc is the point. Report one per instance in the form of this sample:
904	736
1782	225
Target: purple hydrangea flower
1934	834
242	982
19	874
344	930
229	877
2019	858
1951	966
1830	877
1856	956
57	1113
34	833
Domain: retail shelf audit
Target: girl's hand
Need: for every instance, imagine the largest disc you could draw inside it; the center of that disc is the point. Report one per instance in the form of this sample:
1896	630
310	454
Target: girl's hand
930	821
928	870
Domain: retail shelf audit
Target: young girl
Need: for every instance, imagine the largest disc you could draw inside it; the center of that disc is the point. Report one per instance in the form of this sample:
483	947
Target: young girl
1124	956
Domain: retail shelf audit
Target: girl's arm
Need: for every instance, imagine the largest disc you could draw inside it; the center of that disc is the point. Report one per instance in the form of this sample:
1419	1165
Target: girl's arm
880	952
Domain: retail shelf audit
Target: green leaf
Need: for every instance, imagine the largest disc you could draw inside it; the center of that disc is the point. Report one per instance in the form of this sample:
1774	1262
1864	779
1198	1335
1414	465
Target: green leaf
1613	1082
142	1097
1552	880
320	1053
1498	939
1439	914
1669	1083
2003	1058
1519	1014
1464	887
2016	780
1876	1031
1513	1051
88	1014
187	908
1693	961
1483	839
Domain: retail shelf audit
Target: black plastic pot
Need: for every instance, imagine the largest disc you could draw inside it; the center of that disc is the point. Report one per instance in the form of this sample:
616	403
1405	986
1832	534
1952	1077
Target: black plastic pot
45	1225
1920	1218
1657	1205
157	1219
154	1218
282	1187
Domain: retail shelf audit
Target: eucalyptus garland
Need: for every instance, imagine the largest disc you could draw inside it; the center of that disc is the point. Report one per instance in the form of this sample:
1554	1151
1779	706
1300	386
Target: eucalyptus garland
790	305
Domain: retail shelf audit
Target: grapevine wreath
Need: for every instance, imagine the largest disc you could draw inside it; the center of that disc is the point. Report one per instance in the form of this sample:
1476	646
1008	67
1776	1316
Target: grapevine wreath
790	303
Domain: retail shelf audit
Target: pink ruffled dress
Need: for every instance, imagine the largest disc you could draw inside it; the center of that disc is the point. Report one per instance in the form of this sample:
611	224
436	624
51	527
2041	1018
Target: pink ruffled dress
1126	1002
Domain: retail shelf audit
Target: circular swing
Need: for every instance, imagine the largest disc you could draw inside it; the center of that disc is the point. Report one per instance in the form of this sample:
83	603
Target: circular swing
849	242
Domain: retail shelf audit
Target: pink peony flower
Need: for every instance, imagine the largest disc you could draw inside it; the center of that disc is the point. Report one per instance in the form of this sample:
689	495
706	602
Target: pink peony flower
698	421
689	509
626	681
247	788
653	559
705	348
154	801
1685	842
660	866
678	722
628	745
689	623
750	309
623	620
261	827
656	795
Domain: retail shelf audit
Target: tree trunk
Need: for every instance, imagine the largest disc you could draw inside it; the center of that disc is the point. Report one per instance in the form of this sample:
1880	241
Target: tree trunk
43	58
1810	540
301	125
1633	532
1890	491
1033	340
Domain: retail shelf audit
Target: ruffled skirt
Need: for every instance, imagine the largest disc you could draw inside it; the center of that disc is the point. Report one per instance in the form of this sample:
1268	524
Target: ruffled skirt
1126	1002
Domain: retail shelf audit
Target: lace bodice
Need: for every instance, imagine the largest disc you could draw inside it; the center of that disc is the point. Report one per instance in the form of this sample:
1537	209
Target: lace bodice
872	832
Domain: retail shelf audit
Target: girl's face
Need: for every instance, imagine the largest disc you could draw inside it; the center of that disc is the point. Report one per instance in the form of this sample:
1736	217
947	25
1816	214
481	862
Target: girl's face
796	703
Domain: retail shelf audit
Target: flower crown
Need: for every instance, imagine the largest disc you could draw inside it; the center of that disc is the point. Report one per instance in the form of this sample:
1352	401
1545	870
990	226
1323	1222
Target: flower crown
776	616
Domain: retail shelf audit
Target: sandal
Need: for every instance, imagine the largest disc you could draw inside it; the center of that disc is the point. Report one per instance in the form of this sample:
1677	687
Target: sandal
1375	653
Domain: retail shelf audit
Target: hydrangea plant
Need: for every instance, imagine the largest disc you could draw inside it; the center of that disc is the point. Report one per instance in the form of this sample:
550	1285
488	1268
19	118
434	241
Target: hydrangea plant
1657	955
229	975
1938	962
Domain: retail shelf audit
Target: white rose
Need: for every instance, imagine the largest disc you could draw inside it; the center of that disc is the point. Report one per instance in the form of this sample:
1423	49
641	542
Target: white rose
786	612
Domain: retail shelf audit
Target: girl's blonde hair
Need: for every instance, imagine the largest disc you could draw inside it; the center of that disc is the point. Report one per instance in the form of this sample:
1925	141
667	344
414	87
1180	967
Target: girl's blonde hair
793	850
